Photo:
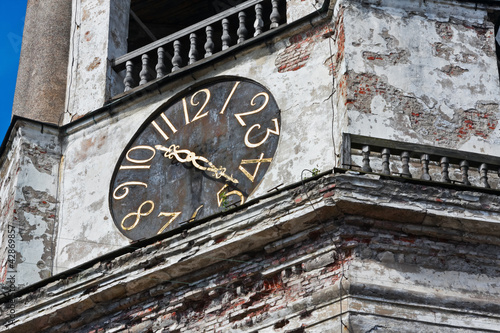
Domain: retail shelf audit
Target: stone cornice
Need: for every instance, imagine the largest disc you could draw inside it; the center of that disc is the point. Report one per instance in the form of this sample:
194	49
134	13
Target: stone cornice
278	220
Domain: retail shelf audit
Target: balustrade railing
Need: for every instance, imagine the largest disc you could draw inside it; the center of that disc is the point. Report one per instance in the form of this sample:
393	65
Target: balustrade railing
429	163
199	41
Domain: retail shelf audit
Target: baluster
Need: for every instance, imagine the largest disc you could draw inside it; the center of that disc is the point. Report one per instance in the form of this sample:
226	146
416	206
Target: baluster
209	45
242	30
464	166
129	79
144	74
226	39
386	154
445	164
176	59
161	69
259	23
193	52
424	160
483	171
366	159
275	15
405	158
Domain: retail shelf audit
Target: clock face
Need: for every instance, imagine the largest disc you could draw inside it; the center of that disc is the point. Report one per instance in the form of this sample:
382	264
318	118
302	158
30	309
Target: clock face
202	153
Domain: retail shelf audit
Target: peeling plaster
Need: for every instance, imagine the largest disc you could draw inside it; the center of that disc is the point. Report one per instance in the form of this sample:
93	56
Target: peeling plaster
441	98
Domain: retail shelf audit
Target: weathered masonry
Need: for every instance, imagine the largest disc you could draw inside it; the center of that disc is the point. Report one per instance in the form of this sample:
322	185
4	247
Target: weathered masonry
254	166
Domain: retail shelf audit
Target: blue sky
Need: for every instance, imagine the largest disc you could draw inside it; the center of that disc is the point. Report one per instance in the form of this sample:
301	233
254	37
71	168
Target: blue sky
11	31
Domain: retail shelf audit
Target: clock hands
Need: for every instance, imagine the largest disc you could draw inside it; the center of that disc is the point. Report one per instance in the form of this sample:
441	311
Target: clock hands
174	151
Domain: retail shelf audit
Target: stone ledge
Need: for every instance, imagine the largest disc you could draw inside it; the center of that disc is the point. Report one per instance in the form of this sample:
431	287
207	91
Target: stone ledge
271	220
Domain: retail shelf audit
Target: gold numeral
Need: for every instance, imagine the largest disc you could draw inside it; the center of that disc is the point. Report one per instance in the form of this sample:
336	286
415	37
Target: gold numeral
185	108
169	124
138	161
125	188
137	215
260	160
268	132
160	130
130	167
195	213
240	115
229	98
221	195
172	216
200	113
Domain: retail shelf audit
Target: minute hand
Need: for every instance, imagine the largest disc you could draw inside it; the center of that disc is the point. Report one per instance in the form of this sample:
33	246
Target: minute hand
174	151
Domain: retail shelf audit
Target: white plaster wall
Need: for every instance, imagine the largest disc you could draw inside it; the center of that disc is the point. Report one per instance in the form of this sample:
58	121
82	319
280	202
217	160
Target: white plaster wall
28	198
99	34
37	203
295	9
417	81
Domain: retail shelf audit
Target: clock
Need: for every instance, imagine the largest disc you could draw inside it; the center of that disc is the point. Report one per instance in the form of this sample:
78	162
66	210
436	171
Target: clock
203	152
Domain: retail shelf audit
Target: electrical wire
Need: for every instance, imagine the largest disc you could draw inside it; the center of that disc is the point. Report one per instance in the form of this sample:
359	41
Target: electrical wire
331	97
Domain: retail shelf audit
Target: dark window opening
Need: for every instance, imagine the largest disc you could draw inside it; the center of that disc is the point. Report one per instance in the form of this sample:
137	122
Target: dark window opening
167	35
151	20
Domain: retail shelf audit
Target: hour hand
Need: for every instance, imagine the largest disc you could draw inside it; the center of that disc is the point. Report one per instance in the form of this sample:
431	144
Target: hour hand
174	152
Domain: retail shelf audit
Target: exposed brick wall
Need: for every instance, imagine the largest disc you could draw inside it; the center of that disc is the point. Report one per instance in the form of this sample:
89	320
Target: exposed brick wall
296	55
425	79
236	295
485	36
239	295
395	252
480	121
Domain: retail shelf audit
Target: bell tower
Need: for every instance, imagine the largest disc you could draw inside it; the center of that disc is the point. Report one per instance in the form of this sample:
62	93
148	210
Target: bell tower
253	166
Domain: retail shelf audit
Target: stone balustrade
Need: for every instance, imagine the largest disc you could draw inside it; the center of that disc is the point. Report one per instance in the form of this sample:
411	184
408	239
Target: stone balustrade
428	163
199	41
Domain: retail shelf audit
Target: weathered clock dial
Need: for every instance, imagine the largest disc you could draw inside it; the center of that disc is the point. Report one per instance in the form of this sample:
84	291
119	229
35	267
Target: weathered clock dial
199	154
